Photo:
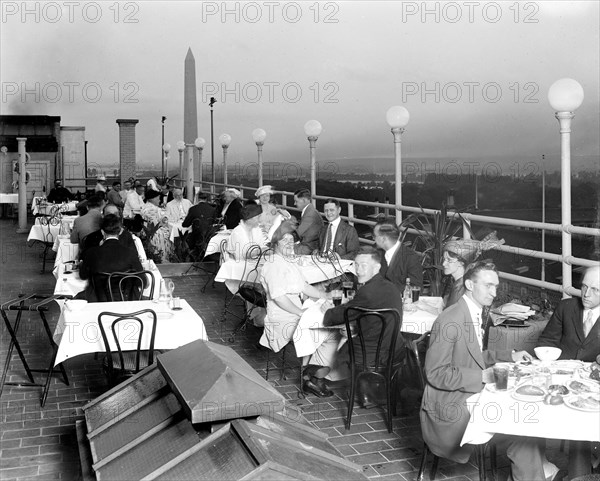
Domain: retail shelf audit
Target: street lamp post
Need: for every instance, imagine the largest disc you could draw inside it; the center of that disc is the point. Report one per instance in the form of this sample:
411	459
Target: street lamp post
225	140
259	136
200	143
313	129
565	96
166	149
162	155
190	173
212	102
397	118
22	185
181	149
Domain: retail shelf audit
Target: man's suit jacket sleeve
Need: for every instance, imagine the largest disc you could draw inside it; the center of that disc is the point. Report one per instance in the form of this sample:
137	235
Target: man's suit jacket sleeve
552	334
75	233
189	218
414	269
352	243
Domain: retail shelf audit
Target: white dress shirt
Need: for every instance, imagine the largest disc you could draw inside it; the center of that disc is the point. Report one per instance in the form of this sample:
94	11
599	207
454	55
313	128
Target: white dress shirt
334	227
390	252
475	312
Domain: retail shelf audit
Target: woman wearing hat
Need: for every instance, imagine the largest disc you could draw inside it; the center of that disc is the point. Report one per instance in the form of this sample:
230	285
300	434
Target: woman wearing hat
153	214
271	217
457	256
247	234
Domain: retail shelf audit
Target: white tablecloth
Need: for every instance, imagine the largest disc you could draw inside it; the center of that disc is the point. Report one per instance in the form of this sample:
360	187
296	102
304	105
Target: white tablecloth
47	233
77	332
67	251
9	198
71	284
39	207
310	332
214	244
501	413
313	273
175	228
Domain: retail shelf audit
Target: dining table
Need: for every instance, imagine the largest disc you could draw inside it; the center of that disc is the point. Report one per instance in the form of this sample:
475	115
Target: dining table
510	412
67	251
310	332
77	331
313	271
48	229
40	206
215	244
68	282
176	229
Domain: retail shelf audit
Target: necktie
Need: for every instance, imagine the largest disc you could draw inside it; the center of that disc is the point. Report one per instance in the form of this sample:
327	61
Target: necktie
479	330
588	323
327	239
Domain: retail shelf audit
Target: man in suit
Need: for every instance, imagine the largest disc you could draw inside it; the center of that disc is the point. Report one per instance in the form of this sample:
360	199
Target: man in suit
110	256
376	293
179	207
90	222
202	211
59	194
113	196
338	236
399	262
456	367
95	238
310	226
574	328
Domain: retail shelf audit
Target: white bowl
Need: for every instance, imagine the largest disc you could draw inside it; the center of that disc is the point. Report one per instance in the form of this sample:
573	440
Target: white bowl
547	353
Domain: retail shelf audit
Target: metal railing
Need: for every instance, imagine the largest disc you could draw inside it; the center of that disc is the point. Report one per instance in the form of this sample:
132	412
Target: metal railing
480	219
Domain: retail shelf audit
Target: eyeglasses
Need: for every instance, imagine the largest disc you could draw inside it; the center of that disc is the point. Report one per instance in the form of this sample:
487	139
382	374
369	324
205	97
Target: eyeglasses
592	290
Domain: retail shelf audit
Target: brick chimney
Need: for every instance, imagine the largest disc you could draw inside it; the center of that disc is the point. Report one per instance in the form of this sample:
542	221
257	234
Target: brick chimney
127	147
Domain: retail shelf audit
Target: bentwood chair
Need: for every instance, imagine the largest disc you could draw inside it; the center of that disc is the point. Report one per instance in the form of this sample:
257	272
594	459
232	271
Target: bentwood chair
119	364
372	347
122	286
250	290
418	351
50	226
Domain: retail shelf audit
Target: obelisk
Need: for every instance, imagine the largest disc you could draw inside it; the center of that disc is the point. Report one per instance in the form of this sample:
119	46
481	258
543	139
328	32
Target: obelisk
190	111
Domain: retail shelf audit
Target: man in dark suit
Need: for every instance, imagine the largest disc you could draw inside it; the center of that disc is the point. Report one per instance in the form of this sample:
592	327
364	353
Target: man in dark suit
59	194
399	262
376	293
310	223
455	368
95	238
90	222
338	236
202	211
575	329
110	256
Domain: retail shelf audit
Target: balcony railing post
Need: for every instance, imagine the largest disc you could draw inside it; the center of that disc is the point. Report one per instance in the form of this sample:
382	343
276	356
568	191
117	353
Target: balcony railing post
350	213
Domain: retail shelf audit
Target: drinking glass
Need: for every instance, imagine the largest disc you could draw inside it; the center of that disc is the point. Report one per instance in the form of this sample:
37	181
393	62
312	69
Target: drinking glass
336	297
347	286
350	293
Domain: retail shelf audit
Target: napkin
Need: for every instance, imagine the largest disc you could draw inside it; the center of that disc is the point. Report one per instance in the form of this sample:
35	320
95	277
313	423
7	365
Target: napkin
511	310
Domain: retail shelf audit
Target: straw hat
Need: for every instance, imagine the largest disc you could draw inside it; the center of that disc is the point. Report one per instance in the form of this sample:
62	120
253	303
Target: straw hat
265	189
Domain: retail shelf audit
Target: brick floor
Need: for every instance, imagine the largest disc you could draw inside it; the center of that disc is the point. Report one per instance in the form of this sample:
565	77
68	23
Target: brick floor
41	444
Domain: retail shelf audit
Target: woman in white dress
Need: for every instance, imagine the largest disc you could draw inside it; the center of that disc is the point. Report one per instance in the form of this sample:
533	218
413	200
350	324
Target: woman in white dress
246	235
271	217
284	285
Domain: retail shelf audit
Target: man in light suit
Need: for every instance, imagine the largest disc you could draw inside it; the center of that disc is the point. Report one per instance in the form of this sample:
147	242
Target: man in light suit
574	328
88	223
399	262
310	223
455	367
179	207
338	236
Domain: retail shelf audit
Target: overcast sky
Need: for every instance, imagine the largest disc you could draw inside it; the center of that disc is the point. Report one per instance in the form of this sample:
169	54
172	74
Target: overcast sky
473	75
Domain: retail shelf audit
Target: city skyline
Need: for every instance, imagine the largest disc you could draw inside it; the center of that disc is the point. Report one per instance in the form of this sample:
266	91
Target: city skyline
473	75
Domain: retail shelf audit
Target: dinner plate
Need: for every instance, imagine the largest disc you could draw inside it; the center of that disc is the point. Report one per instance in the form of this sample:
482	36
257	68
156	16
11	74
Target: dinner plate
584	386
575	402
526	397
491	387
567	364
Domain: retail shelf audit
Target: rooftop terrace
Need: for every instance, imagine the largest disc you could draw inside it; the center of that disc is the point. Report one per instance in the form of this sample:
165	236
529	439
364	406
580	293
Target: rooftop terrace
41	444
